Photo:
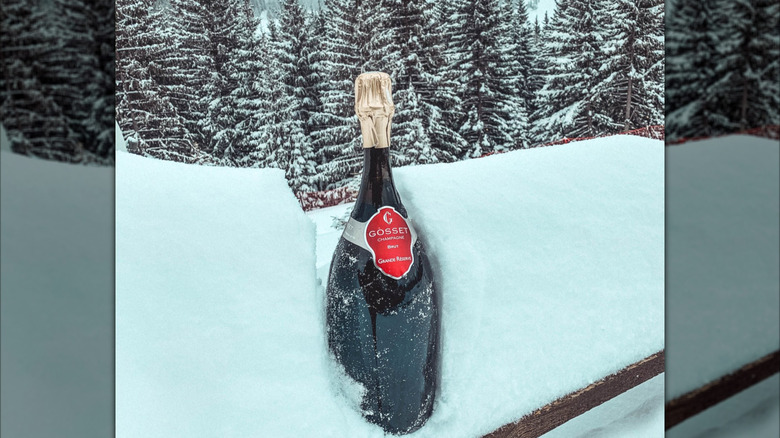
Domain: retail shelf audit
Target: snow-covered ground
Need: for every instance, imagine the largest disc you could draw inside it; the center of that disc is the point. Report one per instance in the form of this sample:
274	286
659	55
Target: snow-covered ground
57	286
551	264
723	306
218	322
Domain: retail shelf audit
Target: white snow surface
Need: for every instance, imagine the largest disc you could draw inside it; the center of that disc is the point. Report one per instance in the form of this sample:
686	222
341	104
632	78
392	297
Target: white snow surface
549	261
219	325
723	305
56	290
754	413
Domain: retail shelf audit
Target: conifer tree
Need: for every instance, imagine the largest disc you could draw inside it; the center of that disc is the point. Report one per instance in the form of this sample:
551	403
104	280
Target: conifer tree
258	87
420	130
479	52
524	37
743	90
516	64
632	91
337	145
148	118
569	104
376	37
445	76
537	67
183	67
292	50
226	30
314	76
272	92
249	75
411	140
688	53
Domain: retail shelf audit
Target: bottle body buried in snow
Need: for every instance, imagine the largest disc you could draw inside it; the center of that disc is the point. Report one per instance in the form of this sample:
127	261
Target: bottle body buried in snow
382	308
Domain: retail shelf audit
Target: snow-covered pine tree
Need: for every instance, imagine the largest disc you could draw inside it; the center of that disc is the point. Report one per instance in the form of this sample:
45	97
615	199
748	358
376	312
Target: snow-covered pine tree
536	76
376	35
337	144
688	51
516	70
524	36
569	104
420	131
743	90
154	127
132	30
314	81
149	121
272	94
184	65
479	51
410	141
291	50
35	123
256	91
632	92
443	76
226	31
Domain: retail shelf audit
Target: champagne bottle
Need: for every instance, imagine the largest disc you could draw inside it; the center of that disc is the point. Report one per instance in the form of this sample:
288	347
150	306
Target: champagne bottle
382	307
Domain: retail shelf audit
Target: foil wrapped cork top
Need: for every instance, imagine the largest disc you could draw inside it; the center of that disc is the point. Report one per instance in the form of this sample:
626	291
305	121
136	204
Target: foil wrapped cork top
374	108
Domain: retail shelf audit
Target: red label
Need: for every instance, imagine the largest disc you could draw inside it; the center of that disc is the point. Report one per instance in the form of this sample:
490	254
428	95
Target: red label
389	237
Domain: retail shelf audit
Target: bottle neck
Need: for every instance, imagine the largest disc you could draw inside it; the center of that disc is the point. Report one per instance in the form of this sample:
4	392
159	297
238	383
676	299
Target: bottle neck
376	186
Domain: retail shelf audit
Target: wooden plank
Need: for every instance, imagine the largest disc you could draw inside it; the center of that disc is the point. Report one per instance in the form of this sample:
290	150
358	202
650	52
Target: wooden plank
578	402
694	402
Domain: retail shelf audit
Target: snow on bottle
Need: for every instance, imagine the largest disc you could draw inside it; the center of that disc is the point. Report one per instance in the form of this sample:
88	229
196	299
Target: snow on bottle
382	307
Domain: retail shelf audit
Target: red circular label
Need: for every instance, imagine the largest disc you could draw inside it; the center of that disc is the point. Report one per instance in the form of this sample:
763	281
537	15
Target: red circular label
389	237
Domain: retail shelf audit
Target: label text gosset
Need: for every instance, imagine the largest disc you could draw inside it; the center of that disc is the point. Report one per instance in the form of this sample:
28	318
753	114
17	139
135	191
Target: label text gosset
389	238
388	231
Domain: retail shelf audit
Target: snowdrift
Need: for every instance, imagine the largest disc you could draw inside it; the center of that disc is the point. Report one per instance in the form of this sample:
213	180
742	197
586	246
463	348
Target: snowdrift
552	271
551	264
218	328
